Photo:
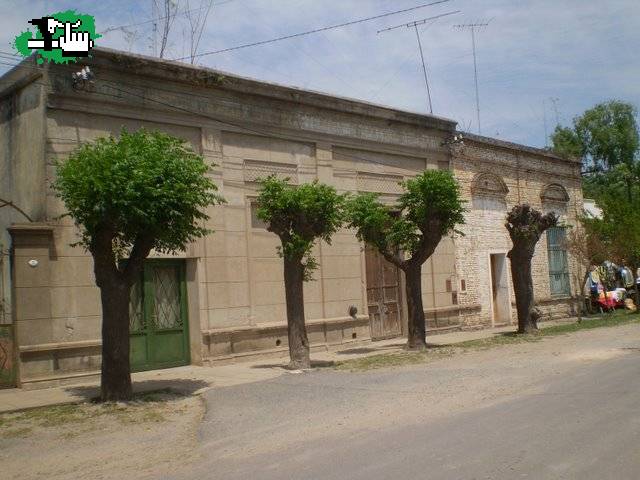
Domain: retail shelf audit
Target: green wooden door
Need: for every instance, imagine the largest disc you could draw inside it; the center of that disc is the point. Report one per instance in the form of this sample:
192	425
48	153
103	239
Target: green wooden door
158	317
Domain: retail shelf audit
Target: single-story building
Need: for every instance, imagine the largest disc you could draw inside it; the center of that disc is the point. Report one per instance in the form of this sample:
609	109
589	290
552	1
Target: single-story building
224	297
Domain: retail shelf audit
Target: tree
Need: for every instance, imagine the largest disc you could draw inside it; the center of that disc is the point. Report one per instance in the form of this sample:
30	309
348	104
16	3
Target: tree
525	226
408	233
299	216
587	247
605	137
619	228
143	191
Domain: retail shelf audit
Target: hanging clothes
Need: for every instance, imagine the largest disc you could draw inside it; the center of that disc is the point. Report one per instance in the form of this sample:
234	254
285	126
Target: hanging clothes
593	281
627	277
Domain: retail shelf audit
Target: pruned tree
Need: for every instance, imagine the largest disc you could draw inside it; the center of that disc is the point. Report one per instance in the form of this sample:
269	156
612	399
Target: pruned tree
299	216
408	233
129	195
525	226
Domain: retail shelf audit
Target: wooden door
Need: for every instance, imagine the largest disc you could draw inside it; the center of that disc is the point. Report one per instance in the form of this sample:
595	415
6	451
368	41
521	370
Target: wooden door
158	317
500	290
383	296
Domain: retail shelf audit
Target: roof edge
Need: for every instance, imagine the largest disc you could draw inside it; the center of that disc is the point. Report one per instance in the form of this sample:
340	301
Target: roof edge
204	76
517	147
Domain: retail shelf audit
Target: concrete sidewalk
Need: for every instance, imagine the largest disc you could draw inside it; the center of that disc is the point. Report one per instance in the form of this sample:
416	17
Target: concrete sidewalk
194	380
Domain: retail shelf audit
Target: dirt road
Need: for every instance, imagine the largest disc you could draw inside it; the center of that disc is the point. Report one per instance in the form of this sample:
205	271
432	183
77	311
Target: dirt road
565	407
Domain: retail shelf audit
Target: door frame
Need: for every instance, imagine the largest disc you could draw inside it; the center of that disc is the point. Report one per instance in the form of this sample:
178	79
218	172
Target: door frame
507	270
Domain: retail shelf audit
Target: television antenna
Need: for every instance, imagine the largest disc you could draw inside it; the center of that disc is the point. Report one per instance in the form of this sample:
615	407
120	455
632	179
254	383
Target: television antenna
415	27
473	27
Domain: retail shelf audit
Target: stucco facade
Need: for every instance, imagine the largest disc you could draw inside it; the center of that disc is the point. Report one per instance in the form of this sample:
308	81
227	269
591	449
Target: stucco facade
245	130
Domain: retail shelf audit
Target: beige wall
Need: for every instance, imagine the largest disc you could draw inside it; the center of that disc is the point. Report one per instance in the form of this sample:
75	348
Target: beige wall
21	171
246	130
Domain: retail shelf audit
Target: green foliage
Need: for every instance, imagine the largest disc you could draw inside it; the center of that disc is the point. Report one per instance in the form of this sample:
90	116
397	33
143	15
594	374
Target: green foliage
605	136
566	143
619	227
431	206
300	215
141	185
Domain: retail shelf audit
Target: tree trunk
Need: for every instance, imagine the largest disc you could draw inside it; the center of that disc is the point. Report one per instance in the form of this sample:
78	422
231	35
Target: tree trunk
298	342
523	287
580	296
116	376
416	338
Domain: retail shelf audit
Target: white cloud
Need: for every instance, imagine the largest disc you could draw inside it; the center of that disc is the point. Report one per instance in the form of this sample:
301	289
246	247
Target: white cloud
580	52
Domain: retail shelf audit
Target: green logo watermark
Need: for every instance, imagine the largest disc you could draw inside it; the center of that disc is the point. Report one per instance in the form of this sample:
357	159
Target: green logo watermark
61	37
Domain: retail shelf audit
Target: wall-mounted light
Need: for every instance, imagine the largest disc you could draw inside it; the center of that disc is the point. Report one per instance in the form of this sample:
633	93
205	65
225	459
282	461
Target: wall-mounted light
82	79
33	263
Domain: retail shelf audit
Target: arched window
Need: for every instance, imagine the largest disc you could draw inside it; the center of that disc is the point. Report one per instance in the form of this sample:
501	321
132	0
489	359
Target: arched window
488	184
554	193
488	193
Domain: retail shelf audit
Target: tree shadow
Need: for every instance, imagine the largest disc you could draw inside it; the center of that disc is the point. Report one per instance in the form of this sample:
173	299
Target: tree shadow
372	349
314	364
181	386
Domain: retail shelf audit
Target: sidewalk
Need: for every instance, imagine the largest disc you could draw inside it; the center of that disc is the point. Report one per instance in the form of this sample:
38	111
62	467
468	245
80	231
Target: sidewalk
194	380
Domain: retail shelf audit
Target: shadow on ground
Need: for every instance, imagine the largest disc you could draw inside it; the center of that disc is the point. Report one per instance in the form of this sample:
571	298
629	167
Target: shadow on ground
314	364
182	386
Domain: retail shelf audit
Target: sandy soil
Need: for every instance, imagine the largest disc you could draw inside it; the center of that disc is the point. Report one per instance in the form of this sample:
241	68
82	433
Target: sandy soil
103	442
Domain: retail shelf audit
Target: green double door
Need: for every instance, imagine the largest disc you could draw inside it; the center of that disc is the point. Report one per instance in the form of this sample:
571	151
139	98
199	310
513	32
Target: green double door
158	317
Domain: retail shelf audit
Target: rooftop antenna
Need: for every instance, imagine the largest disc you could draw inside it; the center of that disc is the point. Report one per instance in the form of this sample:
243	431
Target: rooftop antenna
473	27
424	66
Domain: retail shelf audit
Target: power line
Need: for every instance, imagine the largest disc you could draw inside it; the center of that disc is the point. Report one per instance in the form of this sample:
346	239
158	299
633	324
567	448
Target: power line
155	19
316	30
472	27
415	26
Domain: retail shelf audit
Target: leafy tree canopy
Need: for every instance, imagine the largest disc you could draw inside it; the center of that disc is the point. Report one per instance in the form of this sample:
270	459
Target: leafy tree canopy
619	227
429	209
300	215
604	136
142	185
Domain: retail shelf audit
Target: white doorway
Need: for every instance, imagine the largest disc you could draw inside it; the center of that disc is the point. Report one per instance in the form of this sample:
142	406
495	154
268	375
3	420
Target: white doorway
500	299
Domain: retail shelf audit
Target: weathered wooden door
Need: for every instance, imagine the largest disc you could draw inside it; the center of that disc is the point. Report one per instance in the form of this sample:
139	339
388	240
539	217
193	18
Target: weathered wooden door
158	317
500	289
383	296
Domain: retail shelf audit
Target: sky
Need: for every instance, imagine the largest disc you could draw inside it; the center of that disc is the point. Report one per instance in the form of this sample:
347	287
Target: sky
536	60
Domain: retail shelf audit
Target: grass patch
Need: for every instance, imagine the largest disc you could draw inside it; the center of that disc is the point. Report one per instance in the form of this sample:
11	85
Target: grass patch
398	359
149	407
394	359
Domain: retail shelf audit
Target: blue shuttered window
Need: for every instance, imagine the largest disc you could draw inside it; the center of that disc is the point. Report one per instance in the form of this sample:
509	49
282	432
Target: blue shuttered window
558	264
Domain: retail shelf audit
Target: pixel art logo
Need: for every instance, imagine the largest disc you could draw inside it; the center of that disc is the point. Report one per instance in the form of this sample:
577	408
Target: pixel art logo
61	37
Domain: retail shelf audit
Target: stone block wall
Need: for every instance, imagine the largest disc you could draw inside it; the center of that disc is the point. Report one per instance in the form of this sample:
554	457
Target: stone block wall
494	177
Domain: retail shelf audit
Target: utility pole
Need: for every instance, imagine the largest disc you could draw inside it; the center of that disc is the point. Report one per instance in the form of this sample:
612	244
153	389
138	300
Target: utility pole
424	65
473	27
